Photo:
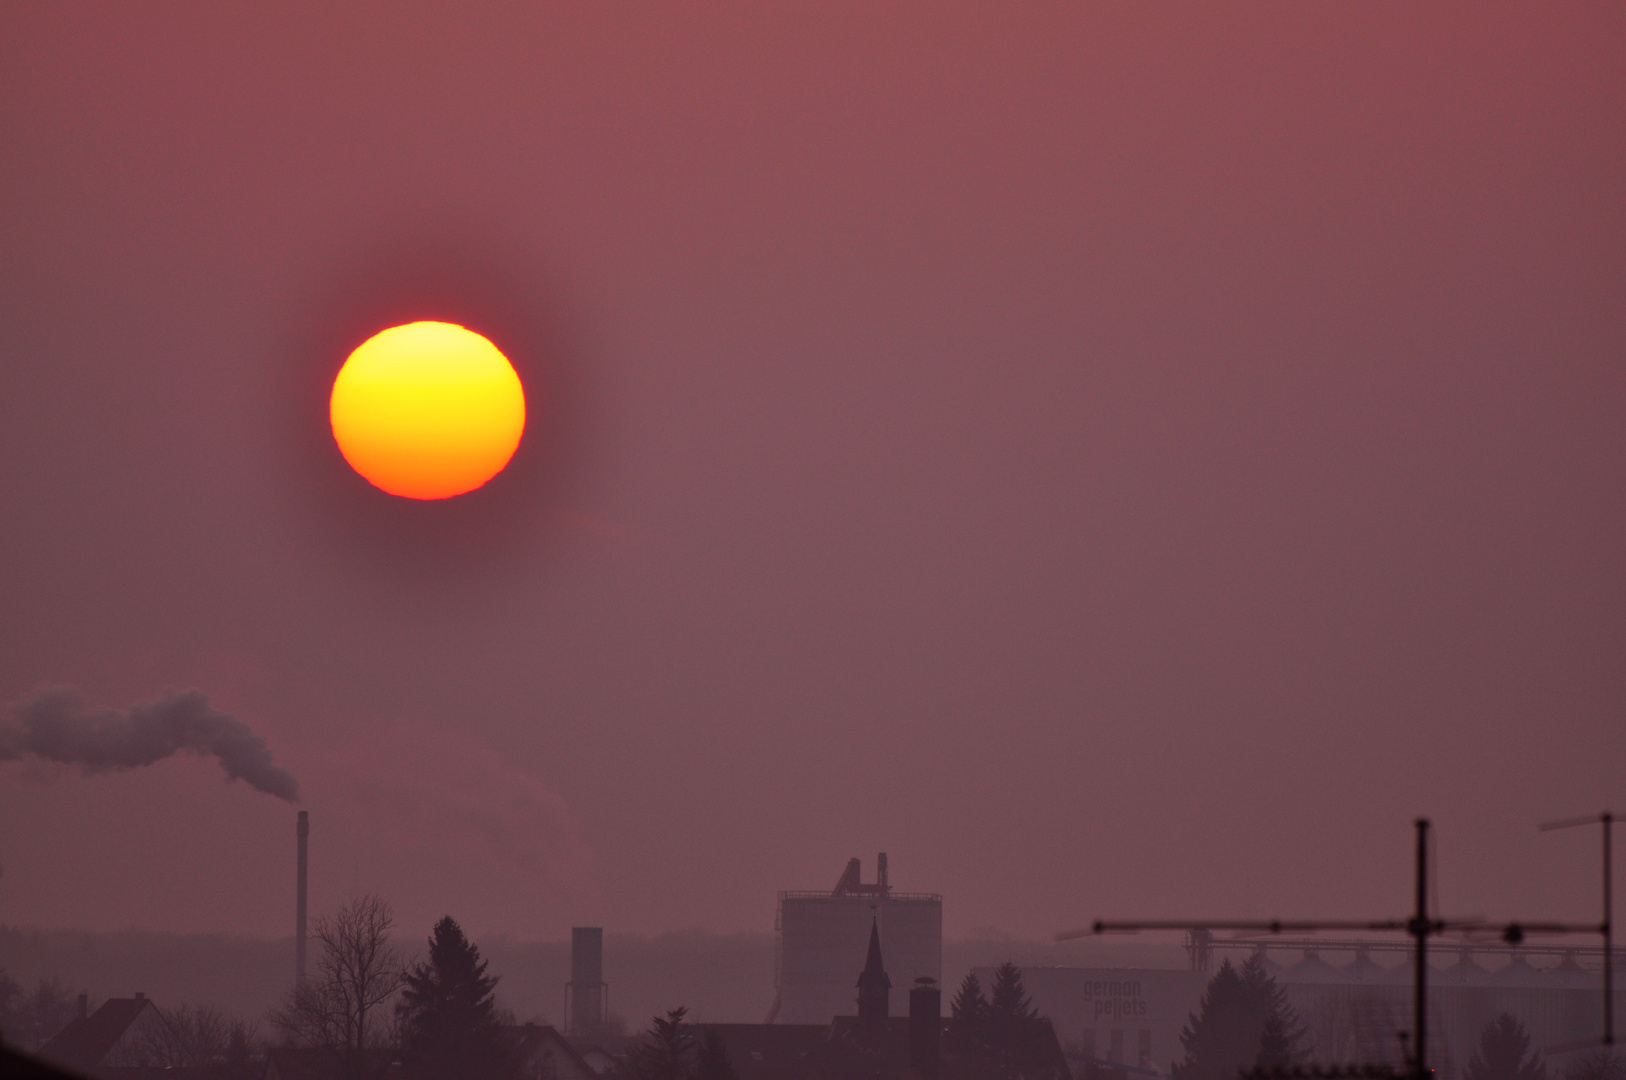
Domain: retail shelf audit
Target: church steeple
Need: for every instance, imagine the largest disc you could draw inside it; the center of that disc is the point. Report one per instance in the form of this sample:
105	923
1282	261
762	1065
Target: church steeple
874	988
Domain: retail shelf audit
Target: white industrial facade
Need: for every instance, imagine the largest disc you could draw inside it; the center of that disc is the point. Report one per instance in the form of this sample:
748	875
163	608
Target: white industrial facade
822	937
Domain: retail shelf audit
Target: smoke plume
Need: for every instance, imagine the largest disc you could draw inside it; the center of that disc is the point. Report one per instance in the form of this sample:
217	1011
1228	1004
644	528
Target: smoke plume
55	725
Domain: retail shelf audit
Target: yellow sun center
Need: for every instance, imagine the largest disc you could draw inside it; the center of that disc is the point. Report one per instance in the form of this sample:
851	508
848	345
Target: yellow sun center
427	410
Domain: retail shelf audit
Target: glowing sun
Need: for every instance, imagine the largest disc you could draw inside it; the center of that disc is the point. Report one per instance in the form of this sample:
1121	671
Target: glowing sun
427	410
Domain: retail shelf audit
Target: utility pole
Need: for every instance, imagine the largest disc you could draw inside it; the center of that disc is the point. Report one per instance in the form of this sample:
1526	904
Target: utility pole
1420	927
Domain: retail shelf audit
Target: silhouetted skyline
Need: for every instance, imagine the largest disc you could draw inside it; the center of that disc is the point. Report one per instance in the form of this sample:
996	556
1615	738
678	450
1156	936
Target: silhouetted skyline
1100	458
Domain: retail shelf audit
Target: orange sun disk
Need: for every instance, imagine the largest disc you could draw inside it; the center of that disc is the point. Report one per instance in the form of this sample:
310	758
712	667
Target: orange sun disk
427	410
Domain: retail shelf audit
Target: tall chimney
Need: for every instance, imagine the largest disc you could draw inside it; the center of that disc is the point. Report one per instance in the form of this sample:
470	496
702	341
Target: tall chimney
587	987
880	874
925	1027
304	832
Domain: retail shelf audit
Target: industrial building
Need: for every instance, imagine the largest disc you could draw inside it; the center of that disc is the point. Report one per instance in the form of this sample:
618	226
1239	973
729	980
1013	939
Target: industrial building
822	937
867	1041
1351	1005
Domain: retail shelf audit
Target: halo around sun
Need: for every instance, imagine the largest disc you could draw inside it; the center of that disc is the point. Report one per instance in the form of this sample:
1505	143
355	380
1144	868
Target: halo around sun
427	410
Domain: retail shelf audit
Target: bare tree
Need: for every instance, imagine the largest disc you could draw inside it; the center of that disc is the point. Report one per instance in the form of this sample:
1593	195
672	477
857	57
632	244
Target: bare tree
340	1008
29	1019
183	1037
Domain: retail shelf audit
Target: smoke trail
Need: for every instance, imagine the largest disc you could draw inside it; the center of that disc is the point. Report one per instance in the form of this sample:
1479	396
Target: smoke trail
55	725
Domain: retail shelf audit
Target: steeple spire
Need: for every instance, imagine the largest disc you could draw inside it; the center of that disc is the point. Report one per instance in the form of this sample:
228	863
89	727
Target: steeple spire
874	988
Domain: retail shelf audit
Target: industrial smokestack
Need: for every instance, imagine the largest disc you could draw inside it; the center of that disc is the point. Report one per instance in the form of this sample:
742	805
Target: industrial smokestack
304	832
587	991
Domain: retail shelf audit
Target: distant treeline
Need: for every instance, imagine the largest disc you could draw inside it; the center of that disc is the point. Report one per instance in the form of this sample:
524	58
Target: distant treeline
722	977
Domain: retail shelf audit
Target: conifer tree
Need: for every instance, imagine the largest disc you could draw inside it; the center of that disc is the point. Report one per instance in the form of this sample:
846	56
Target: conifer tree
449	1021
713	1062
1008	1001
1243	1020
1504	1053
1276	1050
966	1011
1016	1035
239	1063
1220	1037
665	1051
1281	1036
967	1029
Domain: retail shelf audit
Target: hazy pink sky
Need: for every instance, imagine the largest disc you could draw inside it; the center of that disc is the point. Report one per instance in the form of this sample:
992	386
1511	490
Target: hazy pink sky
1116	462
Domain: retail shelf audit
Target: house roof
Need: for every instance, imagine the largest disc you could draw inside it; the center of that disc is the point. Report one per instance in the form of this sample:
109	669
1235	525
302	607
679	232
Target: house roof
318	1063
598	1059
522	1042
769	1051
87	1039
162	1072
886	1045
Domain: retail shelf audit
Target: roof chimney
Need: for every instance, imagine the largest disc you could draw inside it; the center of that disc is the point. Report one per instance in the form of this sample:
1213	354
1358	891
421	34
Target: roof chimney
925	1027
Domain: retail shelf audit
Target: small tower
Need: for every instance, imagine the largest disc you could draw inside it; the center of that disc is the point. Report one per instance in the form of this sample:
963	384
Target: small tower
874	988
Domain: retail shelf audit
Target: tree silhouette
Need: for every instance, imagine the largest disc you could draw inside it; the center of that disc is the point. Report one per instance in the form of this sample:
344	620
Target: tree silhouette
186	1037
1281	1036
1504	1053
1219	1038
1008	1000
968	1006
11	992
665	1050
966	1044
1276	1050
714	1062
29	1019
357	972
449	1025
1016	1036
1243	1020
240	1062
